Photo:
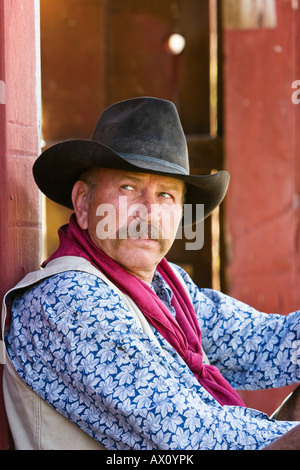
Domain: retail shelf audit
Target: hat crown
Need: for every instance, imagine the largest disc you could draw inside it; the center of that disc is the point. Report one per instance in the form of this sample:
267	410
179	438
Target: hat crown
147	127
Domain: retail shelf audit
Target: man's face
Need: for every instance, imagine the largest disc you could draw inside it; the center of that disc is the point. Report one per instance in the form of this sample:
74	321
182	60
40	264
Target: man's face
132	217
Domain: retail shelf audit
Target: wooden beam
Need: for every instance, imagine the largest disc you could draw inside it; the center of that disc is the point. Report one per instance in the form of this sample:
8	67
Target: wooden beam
249	14
19	146
205	152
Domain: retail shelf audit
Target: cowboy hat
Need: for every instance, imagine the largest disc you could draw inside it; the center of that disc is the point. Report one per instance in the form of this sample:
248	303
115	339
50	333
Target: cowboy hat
140	135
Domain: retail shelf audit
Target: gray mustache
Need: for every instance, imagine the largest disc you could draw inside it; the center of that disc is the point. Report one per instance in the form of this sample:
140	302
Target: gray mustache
139	228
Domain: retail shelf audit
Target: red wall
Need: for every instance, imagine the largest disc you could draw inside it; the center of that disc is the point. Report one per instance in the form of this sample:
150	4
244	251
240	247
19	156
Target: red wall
19	146
262	155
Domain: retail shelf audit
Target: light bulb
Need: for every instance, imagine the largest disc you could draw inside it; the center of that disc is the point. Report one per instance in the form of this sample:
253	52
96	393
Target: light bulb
176	43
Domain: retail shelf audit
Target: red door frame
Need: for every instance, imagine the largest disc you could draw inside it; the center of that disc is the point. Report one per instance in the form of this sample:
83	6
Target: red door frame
262	154
19	146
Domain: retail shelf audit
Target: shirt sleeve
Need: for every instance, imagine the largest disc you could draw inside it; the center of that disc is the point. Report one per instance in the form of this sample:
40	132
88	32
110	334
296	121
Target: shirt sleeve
73	341
253	350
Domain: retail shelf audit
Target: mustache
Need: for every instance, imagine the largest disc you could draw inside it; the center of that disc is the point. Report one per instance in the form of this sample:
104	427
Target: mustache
139	228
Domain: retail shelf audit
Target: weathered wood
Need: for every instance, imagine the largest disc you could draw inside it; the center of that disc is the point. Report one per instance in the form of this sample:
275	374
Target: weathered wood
262	156
19	146
250	14
205	152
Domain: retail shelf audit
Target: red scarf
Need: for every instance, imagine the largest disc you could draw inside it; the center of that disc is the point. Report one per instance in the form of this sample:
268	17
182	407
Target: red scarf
183	333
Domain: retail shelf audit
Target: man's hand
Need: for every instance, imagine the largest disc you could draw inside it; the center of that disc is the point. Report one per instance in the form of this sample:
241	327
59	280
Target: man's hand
290	410
289	441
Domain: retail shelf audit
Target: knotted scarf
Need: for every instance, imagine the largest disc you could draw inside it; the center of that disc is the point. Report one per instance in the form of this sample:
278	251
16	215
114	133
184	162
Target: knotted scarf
182	332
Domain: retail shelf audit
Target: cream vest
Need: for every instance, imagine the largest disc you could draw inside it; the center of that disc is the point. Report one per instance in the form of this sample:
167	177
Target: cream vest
34	424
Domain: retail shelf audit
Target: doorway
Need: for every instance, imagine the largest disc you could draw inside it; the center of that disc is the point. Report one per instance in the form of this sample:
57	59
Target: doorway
97	52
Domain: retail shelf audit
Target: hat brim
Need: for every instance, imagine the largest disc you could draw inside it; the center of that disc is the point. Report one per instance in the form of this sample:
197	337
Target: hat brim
58	168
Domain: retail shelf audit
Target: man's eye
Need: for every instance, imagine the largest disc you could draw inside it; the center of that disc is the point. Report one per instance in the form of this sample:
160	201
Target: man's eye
166	195
127	186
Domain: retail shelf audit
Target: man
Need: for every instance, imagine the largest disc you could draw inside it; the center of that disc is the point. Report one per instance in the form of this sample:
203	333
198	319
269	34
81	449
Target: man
105	342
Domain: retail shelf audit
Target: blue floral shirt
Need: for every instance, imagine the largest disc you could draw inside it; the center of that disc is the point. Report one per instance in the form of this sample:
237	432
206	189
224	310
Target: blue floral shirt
74	342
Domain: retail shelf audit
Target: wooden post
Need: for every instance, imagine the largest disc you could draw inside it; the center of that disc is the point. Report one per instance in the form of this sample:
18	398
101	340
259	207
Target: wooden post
262	154
19	146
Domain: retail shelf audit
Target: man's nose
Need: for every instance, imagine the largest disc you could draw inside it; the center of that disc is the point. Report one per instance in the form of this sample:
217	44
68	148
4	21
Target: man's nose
147	208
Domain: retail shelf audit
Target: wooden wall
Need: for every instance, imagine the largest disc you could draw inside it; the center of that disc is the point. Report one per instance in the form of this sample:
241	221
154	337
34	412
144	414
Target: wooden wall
19	146
262	155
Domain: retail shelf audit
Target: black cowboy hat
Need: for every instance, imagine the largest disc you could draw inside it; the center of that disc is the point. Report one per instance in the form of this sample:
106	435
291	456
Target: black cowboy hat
140	135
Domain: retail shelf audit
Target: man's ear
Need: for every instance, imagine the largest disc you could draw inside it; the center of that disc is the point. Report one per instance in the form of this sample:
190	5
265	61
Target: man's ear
80	199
